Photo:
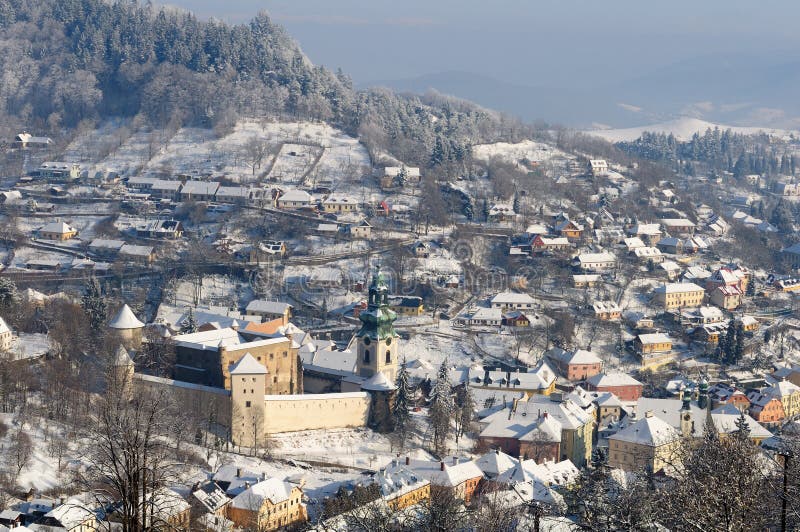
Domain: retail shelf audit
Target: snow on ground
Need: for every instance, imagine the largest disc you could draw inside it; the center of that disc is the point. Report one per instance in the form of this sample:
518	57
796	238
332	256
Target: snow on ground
513	153
682	128
24	254
30	345
292	163
217	290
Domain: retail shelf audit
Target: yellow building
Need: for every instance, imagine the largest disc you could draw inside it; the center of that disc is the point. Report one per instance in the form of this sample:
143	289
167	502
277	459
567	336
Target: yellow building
268	505
654	349
57	231
649	443
788	394
678	295
337	204
401	487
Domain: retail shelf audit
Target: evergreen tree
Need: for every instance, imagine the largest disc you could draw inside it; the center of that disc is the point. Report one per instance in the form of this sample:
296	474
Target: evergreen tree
401	417
467	409
742	427
728	343
738	347
441	409
8	294
189	324
94	305
516	204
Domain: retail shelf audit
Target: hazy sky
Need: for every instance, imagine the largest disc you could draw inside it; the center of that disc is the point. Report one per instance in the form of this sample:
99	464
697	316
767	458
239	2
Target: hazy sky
554	43
523	41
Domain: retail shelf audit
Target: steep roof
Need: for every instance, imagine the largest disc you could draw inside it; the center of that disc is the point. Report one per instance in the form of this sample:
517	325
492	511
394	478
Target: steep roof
274	490
378	382
125	319
247	365
650	430
57	227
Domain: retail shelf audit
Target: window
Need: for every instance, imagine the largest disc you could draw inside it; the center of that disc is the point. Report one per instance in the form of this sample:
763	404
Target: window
366	356
388	356
285	354
247	404
274	380
271	356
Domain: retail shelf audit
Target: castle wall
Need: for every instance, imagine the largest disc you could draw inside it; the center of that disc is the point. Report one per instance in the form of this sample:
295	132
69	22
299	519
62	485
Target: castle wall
316	411
205	401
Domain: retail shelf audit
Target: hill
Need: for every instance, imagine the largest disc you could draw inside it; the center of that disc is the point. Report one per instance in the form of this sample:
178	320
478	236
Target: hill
682	129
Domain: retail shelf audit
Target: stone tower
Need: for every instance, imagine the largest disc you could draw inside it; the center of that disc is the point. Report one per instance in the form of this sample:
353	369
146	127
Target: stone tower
248	412
377	341
128	327
122	372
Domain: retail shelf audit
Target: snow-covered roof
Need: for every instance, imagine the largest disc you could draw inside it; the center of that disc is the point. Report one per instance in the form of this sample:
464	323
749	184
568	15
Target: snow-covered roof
378	383
654	338
512	298
495	463
4	328
677	288
296	196
613	379
578	356
71	514
274	490
206	188
451	472
60	228
650	430
125	319
267	307
248	365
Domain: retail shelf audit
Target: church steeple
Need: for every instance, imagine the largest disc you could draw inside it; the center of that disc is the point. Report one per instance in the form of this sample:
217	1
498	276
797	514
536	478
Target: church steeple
377	348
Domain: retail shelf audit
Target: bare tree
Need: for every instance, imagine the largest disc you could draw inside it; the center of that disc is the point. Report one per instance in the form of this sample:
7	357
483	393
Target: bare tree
21	450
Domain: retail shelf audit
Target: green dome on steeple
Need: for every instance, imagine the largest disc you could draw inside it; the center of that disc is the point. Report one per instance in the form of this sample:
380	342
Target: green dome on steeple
378	320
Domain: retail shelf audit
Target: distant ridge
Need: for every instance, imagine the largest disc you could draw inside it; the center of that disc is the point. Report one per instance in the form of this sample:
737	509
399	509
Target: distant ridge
683	129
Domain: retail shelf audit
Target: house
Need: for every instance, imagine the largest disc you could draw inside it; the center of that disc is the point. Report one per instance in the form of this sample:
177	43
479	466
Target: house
575	365
339	204
537	437
749	323
586	280
56	231
576	422
787	285
271	504
596	261
678	295
59	170
162	229
766	408
501	213
294	199
407	306
462	476
166	189
726	297
597	167
360	230
483	317
199	191
791	255
325	278
401	487
607	310
141	254
141	182
516	318
540	379
235	195
678	226
647	232
544	243
703	316
106	248
72	516
729	276
569	229
653	349
622	385
269	310
722	394
26	140
670	245
421	249
649	443
5	336
788	394
512	301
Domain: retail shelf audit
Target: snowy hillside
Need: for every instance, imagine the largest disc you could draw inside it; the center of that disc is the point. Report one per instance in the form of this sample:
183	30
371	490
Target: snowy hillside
682	128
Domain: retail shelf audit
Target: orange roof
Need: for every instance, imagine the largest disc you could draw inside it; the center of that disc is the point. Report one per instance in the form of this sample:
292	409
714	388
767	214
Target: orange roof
268	327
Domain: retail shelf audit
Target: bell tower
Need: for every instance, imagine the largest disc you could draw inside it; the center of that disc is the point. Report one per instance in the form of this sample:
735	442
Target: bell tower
377	341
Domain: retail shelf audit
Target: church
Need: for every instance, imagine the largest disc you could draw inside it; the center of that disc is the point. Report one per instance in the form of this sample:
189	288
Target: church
257	380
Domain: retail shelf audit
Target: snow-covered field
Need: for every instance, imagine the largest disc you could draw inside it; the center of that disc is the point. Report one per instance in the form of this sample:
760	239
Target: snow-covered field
682	128
513	153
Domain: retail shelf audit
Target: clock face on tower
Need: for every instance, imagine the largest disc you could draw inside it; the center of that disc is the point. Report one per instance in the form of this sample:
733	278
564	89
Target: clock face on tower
366	340
389	341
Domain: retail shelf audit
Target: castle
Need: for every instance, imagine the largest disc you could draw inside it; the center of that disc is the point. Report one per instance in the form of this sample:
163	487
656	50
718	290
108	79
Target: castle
251	380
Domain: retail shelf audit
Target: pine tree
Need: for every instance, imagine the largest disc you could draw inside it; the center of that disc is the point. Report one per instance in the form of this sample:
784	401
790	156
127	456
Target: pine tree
467	409
728	343
401	417
441	410
189	323
742	427
8	293
94	305
738	347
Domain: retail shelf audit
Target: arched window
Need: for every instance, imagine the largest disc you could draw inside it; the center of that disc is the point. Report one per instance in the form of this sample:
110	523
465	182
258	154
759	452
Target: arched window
388	357
366	356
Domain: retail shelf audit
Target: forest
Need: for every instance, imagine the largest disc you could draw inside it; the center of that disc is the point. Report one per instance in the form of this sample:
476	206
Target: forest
69	61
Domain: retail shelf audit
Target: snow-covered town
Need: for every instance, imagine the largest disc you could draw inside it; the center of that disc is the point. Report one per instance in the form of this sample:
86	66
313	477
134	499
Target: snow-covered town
273	319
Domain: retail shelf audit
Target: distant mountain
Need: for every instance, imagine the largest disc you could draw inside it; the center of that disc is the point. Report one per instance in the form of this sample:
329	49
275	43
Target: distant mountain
682	129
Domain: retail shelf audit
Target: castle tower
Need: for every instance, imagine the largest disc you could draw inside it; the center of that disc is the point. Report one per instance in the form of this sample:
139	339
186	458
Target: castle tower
122	371
248	413
377	341
128	327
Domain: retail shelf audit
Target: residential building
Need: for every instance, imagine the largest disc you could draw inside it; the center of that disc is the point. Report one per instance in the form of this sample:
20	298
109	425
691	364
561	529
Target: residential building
726	297
597	167
569	229
539	380
340	204
199	191
653	349
766	408
575	365
596	261
460	475
678	226
537	437
294	199
789	395
622	385
268	505
5	336
400	486
269	310
512	301
678	295
586	280
161	229
361	229
59	170
607	310
648	444
407	306
56	231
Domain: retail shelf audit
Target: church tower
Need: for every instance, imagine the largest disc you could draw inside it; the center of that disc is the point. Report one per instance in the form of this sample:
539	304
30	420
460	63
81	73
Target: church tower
248	415
377	341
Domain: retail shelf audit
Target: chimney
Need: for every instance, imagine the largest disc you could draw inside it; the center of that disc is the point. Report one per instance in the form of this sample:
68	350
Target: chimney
238	472
246	484
408	460
441	465
62	500
544	415
648	414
